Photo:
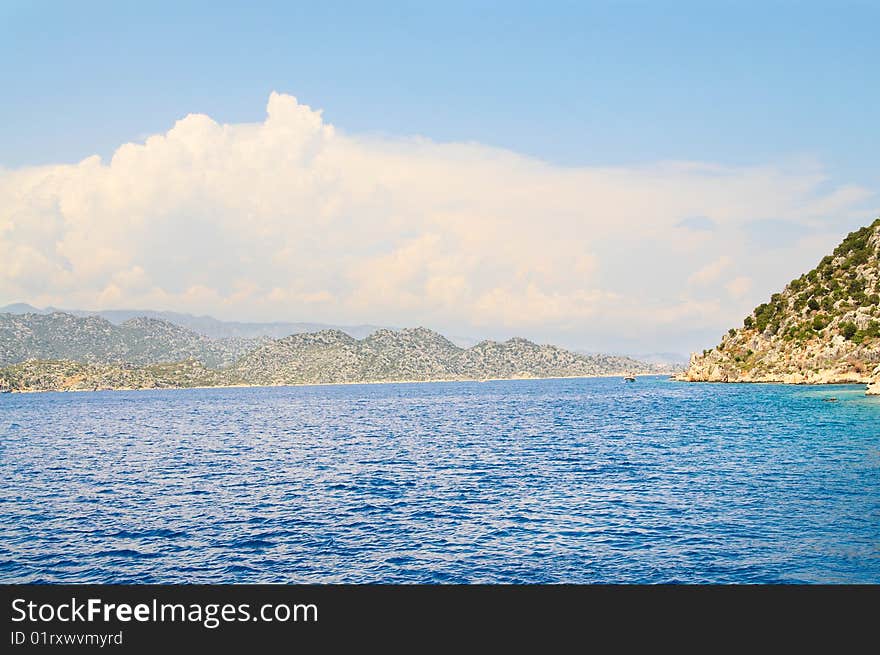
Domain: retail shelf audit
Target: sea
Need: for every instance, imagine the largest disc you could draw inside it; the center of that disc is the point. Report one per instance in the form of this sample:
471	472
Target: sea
522	481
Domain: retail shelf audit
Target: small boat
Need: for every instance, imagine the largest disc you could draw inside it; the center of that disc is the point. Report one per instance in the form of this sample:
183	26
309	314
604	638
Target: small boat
629	378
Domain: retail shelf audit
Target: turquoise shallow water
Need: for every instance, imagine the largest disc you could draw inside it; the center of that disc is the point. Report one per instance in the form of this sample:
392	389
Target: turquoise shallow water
586	480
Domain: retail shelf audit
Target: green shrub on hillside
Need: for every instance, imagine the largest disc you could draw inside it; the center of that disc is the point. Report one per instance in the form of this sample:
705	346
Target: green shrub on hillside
848	329
820	322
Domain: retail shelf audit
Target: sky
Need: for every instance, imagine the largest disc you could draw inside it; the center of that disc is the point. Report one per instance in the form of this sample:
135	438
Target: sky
615	176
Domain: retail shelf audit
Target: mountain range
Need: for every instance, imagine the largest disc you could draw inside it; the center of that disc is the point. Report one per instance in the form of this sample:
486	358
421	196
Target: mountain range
414	354
60	351
205	325
92	339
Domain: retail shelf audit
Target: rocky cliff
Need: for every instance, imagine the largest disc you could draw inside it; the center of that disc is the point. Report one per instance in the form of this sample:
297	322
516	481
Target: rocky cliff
824	327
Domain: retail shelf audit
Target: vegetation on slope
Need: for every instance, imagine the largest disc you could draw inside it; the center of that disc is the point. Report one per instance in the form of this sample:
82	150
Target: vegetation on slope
95	340
65	375
823	327
328	356
414	354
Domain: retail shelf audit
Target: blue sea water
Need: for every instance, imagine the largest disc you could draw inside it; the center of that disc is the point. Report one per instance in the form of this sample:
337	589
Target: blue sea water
545	481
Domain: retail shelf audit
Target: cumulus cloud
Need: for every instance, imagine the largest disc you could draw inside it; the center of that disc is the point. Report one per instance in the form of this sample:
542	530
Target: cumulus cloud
739	286
697	223
710	272
291	218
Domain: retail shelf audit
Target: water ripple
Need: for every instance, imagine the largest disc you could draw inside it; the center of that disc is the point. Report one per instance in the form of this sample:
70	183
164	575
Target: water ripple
521	482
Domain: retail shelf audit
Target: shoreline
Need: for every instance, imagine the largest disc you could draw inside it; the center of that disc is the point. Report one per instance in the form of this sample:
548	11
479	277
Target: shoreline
872	386
832	383
338	384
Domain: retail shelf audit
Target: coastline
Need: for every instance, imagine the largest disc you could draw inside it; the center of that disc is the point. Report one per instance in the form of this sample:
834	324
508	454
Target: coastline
872	384
337	384
831	383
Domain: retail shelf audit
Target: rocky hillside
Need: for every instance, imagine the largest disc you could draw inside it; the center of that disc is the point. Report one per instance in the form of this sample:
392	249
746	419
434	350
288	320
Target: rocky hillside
521	358
204	325
91	339
63	375
823	327
325	356
414	354
59	351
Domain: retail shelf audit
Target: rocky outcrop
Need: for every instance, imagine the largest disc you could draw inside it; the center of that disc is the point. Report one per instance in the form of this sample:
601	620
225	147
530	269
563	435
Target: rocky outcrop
874	387
824	327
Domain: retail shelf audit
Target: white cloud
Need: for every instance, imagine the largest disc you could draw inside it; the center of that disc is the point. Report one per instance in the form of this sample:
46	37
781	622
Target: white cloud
710	272
293	219
739	286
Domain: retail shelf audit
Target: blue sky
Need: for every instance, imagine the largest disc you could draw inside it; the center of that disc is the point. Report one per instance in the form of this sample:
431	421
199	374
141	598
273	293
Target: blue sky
569	82
627	176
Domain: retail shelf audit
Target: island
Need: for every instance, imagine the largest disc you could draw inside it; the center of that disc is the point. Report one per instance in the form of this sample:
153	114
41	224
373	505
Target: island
63	352
822	328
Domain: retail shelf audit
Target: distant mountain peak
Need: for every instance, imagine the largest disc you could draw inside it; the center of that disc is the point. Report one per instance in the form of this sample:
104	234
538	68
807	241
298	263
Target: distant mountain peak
326	336
54	350
521	341
93	339
205	325
21	308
